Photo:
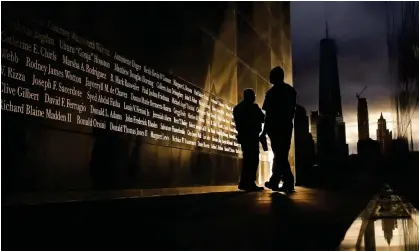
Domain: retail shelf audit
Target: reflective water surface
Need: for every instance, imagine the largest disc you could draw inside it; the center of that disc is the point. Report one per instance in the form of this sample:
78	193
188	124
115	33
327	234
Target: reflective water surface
388	223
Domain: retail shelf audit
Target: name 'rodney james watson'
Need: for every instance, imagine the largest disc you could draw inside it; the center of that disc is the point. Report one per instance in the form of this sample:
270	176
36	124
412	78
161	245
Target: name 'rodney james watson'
34	64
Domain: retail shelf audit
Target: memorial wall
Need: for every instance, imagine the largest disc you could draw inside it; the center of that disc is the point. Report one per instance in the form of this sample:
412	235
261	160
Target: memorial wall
84	108
53	74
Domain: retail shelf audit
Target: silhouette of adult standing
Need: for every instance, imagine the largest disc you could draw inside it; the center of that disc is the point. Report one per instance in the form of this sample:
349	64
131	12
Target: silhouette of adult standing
249	118
279	105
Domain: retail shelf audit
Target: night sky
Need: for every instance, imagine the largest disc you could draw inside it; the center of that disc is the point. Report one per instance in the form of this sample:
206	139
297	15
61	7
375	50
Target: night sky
359	29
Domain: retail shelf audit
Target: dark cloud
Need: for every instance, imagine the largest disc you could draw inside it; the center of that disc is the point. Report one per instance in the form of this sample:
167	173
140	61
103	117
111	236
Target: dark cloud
359	29
363	49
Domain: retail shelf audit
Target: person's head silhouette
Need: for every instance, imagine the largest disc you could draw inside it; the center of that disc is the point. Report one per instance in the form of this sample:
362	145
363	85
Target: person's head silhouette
276	76
249	96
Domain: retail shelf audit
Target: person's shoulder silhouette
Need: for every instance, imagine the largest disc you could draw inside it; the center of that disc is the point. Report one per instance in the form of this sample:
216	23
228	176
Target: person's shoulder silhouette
247	114
281	98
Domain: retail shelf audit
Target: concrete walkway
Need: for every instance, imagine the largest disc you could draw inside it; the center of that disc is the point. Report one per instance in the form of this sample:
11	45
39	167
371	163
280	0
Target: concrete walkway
81	196
306	220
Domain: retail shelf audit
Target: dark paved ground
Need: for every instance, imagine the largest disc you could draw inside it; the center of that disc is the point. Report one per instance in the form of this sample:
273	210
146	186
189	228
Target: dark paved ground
306	220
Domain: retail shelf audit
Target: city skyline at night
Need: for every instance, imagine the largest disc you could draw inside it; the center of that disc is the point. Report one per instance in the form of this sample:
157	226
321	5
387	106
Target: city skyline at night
362	59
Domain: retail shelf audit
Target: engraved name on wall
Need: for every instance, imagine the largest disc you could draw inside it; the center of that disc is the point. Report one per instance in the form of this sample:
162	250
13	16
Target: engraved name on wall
53	74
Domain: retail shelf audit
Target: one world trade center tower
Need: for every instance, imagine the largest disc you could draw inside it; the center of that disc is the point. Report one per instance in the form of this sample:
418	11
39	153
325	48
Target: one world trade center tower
331	127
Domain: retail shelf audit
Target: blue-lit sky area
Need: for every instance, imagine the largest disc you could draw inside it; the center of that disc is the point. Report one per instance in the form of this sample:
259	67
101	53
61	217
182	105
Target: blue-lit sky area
359	29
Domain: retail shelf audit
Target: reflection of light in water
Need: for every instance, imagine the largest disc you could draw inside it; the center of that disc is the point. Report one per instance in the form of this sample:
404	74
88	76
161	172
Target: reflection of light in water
400	236
388	227
383	233
387	234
